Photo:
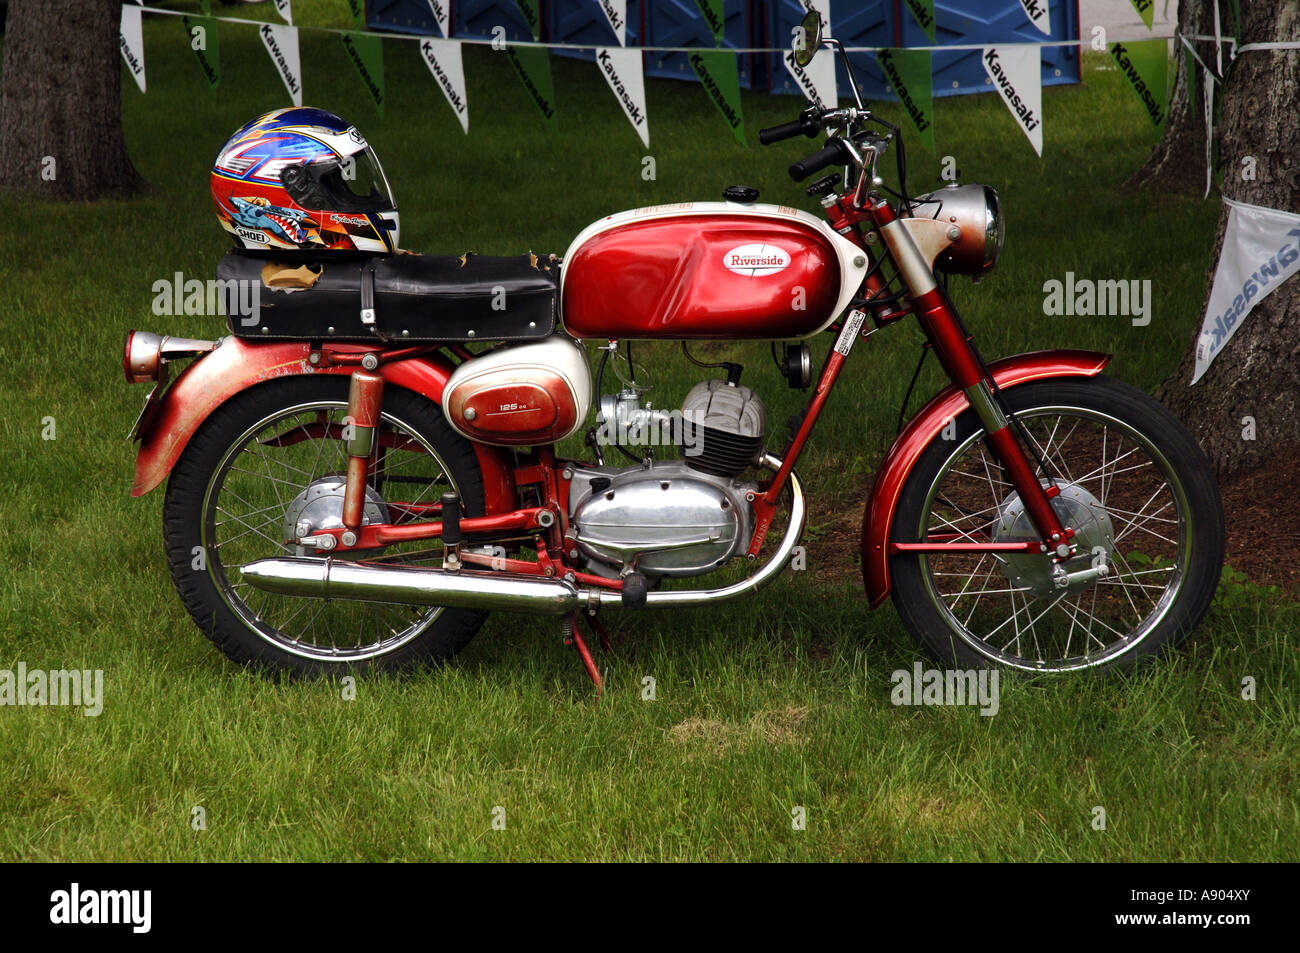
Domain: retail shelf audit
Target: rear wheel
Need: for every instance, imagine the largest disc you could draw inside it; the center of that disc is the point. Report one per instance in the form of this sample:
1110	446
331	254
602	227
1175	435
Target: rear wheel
269	466
1149	534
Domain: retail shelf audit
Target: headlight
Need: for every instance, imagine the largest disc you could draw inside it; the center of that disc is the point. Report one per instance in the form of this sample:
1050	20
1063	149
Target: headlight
141	356
977	214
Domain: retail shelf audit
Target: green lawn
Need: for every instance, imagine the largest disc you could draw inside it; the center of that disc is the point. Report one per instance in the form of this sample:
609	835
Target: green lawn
762	706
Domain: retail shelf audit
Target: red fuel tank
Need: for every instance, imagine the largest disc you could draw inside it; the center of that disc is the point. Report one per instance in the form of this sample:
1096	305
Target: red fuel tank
707	270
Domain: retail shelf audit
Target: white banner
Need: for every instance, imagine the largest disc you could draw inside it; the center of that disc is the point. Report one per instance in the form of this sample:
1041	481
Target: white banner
817	79
616	13
282	43
622	70
131	39
1016	72
442	14
444	62
1261	249
1038	15
282	7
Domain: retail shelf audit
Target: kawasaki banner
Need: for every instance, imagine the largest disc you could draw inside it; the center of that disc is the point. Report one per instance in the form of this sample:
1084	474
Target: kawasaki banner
817	79
908	73
622	70
616	13
533	64
444	62
358	10
1016	72
1261	250
712	10
367	54
442	14
131	40
281	43
531	16
282	7
1145	65
1146	10
202	35
1038	15
923	14
718	72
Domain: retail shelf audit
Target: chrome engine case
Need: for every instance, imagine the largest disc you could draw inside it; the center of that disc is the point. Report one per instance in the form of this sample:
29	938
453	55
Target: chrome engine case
664	519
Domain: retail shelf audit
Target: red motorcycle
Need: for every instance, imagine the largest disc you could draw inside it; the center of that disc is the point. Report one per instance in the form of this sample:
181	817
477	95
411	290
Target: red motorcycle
367	466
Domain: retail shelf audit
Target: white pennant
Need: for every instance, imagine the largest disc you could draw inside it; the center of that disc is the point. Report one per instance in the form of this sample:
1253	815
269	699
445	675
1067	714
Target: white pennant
1038	15
1261	249
442	14
622	70
1207	90
131	39
1016	73
282	43
817	79
282	8
444	62
616	13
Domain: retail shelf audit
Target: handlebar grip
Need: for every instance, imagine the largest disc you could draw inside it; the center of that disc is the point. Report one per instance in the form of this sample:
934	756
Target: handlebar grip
830	154
787	130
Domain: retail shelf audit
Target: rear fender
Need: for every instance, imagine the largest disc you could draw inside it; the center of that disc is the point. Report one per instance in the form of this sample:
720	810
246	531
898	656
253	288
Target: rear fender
877	522
236	365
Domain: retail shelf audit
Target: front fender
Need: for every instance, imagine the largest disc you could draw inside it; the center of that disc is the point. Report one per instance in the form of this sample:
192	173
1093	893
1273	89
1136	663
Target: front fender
877	521
236	365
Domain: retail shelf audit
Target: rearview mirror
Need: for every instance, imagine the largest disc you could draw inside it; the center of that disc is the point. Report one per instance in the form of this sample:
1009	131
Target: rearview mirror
808	39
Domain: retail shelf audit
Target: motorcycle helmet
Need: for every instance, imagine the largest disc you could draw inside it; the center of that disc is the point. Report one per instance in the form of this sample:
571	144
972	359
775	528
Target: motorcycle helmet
307	180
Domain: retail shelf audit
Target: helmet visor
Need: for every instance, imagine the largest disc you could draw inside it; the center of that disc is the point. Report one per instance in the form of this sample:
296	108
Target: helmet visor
354	184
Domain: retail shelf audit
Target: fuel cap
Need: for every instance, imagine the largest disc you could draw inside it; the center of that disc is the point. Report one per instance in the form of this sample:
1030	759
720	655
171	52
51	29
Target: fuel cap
743	194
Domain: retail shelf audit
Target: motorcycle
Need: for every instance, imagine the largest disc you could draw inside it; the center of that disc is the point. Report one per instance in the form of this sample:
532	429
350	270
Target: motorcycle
358	485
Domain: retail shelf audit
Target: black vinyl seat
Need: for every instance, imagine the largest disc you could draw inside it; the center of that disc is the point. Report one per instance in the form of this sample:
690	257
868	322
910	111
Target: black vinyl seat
396	298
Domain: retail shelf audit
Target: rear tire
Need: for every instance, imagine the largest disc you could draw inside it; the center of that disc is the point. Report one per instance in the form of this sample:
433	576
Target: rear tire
229	468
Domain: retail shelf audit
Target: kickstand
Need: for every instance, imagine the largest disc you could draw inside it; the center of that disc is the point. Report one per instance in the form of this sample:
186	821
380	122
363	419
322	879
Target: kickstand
603	635
573	637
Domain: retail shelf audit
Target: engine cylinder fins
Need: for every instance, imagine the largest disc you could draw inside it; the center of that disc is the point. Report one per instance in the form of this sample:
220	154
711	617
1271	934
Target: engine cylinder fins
723	428
719	452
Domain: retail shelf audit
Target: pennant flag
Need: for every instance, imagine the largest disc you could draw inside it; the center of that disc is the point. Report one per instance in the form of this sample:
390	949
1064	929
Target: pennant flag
282	8
622	70
616	13
532	17
713	15
131	39
441	14
281	43
817	79
1146	10
1145	64
358	10
366	52
202	34
533	64
444	62
206	7
1038	15
718	72
1261	250
908	73
1016	71
923	14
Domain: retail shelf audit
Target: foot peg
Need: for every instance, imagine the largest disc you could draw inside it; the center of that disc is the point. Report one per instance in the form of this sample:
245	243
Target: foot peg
634	591
451	537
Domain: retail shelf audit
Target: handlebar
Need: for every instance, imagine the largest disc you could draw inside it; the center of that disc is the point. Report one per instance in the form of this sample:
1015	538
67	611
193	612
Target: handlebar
787	130
833	153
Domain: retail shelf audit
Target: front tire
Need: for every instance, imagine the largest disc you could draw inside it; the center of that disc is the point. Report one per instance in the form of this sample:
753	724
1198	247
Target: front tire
1136	488
273	456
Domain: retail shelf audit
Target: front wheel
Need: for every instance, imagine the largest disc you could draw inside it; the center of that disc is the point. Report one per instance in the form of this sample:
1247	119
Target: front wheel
1140	496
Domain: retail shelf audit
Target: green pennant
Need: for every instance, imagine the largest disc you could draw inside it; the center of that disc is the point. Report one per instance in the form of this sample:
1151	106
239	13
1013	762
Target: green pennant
714	16
358	10
367	55
908	73
923	14
533	64
201	34
533	18
1145	65
1146	10
718	72
206	7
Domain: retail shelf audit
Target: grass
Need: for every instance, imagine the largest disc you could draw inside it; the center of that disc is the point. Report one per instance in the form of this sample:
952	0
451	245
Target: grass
761	706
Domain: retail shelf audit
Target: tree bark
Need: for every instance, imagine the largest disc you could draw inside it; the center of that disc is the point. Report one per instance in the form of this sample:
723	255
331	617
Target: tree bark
61	101
1257	373
1177	164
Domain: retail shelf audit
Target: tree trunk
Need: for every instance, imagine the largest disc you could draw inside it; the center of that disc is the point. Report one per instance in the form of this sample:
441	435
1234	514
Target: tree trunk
1177	164
1257	373
61	101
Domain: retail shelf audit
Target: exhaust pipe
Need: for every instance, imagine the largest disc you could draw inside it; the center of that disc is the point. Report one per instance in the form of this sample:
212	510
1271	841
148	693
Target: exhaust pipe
329	578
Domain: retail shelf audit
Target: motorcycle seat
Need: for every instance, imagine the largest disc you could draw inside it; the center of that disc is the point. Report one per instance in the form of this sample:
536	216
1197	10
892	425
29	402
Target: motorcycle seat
395	298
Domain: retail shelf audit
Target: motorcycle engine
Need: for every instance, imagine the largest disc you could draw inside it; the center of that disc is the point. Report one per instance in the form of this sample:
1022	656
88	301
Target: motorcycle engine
678	517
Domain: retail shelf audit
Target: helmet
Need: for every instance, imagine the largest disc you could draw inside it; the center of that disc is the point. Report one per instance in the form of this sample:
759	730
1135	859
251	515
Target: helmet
304	179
